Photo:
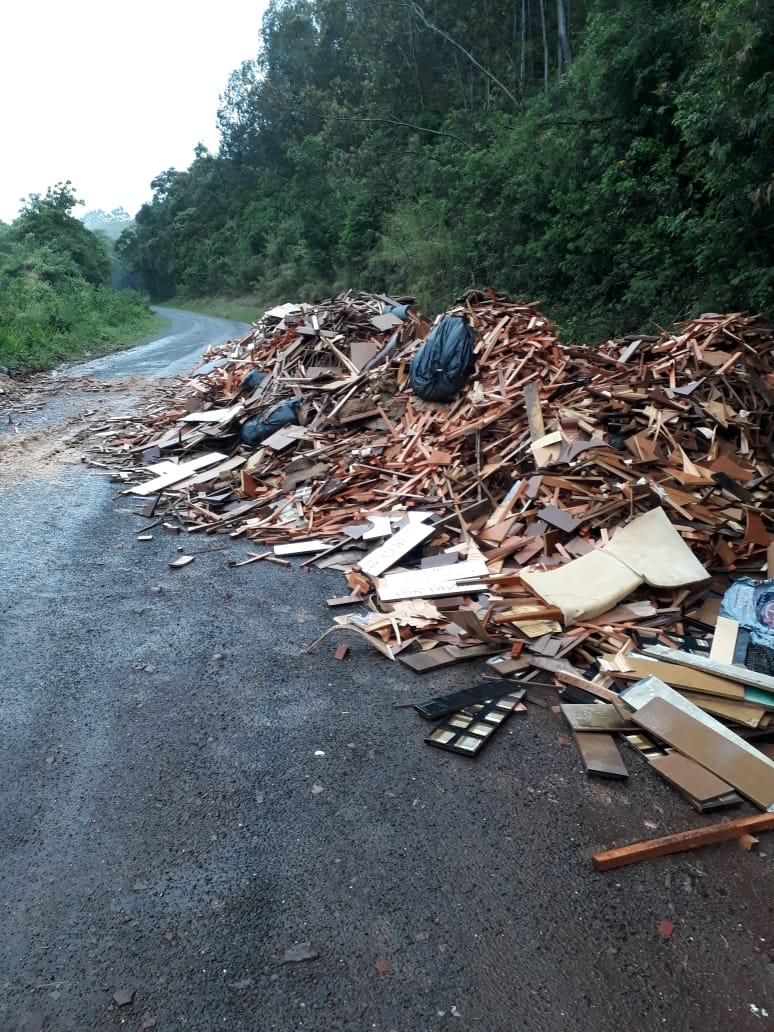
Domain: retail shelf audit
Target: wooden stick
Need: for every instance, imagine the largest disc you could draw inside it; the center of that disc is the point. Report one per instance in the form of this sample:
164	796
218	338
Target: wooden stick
682	841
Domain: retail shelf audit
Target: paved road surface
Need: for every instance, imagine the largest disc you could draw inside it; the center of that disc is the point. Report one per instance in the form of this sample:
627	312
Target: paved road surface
164	742
171	355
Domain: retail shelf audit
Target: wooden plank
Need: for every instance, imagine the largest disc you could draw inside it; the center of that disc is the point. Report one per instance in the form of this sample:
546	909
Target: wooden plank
653	687
565	674
741	674
685	677
724	640
301	547
600	755
444	580
752	776
213	415
558	518
181	472
380	528
594	717
534	414
284	437
610	859
746	713
689	776
386	555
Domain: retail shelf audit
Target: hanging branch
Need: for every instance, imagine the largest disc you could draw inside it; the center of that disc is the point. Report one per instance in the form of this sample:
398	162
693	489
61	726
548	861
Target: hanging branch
407	125
417	10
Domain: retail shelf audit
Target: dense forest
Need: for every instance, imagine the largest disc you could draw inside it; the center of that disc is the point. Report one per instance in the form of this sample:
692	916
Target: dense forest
612	158
56	301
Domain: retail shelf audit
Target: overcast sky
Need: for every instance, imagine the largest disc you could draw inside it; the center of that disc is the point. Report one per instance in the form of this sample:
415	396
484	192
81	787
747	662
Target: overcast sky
109	94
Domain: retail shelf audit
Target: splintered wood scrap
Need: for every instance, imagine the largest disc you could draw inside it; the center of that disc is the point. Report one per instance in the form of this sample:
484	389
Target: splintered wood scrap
611	859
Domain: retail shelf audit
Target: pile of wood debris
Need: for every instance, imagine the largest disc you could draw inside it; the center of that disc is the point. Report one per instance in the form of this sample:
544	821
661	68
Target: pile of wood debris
574	516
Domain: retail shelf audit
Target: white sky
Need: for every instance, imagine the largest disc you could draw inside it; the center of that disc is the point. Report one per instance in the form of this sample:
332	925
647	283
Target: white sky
110	94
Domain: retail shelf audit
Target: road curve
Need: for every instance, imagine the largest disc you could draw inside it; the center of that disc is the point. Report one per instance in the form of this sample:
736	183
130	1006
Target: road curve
188	335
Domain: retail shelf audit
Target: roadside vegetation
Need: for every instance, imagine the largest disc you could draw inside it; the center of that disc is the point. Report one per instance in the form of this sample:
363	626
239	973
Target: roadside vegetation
611	158
56	301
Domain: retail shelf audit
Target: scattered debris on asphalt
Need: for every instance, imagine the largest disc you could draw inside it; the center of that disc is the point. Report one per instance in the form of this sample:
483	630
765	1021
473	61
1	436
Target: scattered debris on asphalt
300	952
123	997
595	524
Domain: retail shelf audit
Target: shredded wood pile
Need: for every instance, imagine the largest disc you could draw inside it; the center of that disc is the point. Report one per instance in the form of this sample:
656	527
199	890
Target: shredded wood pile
570	515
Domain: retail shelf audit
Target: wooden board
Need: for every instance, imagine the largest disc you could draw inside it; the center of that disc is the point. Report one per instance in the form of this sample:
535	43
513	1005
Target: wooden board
746	713
685	677
284	437
724	640
181	472
689	776
534	414
600	755
386	555
431	583
213	415
682	841
752	777
734	673
594	717
301	547
444	655
558	518
380	528
651	687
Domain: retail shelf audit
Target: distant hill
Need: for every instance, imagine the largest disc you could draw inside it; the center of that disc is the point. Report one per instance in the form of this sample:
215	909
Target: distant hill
111	223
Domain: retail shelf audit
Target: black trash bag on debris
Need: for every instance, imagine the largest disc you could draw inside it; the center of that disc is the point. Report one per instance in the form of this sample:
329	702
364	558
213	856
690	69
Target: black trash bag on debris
260	427
444	362
252	380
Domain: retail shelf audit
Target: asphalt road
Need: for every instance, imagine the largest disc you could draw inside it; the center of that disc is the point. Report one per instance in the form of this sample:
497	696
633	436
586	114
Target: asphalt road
170	355
186	793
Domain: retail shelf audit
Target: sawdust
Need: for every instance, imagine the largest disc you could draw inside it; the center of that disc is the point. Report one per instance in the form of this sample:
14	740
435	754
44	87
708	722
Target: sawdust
61	409
43	452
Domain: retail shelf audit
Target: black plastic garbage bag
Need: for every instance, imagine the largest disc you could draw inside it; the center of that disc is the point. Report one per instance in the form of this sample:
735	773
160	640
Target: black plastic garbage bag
444	362
260	427
252	380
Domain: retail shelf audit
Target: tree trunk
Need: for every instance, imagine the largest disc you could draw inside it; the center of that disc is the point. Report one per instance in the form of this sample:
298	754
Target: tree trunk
545	43
523	60
563	32
414	62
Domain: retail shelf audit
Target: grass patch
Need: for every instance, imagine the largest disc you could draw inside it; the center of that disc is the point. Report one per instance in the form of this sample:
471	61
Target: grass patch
41	351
